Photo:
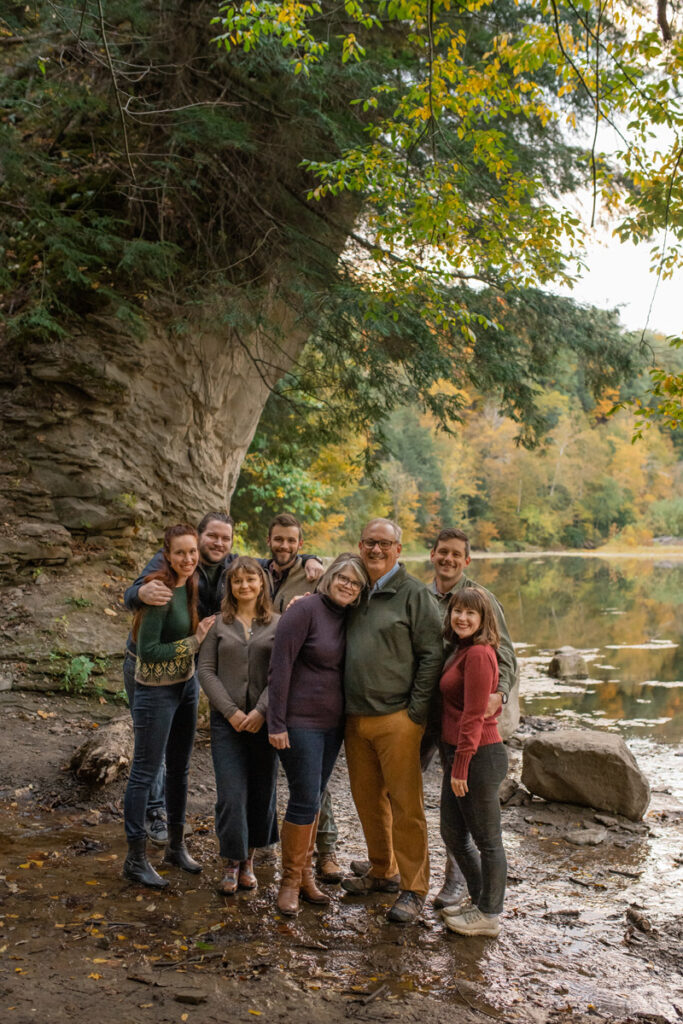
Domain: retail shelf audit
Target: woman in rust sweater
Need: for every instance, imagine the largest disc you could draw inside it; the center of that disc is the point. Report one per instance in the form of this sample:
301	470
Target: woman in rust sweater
476	764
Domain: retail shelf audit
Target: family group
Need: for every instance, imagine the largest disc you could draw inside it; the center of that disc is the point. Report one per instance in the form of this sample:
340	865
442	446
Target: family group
295	661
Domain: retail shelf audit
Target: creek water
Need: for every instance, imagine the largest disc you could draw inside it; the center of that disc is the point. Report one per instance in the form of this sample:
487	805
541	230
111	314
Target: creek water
625	615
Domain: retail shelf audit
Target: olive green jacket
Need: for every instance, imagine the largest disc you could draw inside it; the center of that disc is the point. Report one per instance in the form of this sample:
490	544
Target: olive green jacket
394	650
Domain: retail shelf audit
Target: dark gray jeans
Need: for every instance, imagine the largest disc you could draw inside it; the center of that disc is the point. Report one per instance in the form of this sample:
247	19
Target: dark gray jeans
471	828
155	804
165	718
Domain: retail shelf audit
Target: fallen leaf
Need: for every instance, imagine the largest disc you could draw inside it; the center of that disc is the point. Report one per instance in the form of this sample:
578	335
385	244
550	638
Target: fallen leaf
110	611
257	1013
95	976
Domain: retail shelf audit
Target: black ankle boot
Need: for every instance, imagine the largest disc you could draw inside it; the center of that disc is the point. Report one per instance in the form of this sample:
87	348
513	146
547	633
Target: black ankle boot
177	853
136	867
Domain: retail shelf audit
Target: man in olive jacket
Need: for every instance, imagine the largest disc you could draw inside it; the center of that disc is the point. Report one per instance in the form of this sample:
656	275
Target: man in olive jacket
394	655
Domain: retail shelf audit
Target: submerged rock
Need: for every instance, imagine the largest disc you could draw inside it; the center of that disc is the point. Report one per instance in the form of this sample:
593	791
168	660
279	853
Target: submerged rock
586	836
567	663
593	769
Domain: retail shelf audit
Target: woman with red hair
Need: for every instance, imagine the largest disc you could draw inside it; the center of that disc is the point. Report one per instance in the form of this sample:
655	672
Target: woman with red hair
165	710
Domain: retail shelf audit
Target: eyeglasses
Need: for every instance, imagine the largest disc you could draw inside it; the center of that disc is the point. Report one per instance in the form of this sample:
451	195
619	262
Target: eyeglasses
346	582
369	544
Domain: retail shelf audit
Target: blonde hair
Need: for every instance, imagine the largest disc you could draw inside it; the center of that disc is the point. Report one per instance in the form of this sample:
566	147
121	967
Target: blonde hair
341	562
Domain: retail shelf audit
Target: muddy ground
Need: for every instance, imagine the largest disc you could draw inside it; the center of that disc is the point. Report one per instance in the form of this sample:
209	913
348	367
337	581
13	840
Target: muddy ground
78	943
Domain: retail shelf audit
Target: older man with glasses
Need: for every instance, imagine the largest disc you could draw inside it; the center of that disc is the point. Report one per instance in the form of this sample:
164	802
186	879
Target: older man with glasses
393	662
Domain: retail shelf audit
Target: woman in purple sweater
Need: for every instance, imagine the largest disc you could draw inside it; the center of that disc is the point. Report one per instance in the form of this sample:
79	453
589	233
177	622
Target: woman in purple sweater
306	715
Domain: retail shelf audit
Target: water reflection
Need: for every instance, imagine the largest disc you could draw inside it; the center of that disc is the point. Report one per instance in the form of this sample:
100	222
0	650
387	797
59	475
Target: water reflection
624	615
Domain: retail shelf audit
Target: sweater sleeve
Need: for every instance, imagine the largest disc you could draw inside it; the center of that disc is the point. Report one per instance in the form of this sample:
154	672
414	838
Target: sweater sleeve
130	598
150	646
428	651
210	682
479	675
505	654
290	636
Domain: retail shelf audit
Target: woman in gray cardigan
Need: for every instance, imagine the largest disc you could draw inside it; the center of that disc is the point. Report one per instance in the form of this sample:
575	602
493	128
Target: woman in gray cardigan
233	672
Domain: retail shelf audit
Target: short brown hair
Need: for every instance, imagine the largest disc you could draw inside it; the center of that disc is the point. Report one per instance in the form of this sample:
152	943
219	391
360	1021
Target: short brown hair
477	599
285	519
450	533
264	605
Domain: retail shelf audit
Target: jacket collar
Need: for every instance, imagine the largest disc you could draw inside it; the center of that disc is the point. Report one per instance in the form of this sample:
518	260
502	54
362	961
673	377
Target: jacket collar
389	583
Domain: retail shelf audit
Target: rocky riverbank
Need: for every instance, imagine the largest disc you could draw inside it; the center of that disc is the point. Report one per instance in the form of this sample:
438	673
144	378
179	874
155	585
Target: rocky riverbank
591	932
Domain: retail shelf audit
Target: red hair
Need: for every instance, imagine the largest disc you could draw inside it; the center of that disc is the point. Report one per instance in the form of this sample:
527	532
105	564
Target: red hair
169	576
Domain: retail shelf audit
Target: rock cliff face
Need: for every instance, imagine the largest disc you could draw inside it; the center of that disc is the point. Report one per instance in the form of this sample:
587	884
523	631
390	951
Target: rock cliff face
109	429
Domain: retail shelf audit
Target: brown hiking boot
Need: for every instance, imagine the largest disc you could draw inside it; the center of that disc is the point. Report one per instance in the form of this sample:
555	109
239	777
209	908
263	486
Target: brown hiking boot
328	868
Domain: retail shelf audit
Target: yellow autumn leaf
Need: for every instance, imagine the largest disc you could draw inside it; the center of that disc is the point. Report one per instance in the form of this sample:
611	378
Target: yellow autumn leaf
95	976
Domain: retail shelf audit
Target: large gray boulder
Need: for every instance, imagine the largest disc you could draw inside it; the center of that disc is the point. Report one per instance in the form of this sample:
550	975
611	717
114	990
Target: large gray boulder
580	766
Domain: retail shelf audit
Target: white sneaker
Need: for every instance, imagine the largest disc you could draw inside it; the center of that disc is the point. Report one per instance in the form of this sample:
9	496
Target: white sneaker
457	908
472	922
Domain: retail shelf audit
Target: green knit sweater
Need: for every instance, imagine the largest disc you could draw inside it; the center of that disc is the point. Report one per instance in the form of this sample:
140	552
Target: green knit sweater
165	644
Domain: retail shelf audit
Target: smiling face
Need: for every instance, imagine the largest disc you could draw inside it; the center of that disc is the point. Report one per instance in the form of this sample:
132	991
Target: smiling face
246	587
450	560
183	556
465	622
284	542
379	549
345	587
215	542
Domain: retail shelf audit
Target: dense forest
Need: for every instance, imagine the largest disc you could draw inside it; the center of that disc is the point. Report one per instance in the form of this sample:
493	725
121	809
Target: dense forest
584	484
352	208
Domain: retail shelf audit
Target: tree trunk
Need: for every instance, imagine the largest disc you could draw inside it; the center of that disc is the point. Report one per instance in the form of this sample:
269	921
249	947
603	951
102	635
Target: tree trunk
106	755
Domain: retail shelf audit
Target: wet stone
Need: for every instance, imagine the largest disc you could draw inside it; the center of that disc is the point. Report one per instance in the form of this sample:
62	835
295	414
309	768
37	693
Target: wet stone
540	819
192	997
508	788
606	819
586	836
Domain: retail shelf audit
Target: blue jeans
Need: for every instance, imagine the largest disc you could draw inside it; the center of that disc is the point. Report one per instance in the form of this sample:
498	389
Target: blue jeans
245	766
308	764
471	827
164	718
155	804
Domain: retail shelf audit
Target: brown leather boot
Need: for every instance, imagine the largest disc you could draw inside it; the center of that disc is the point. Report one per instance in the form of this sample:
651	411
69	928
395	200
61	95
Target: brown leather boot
309	890
294	843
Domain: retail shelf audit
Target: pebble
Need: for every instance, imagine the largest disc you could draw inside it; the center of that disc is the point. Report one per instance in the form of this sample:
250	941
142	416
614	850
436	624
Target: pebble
586	836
